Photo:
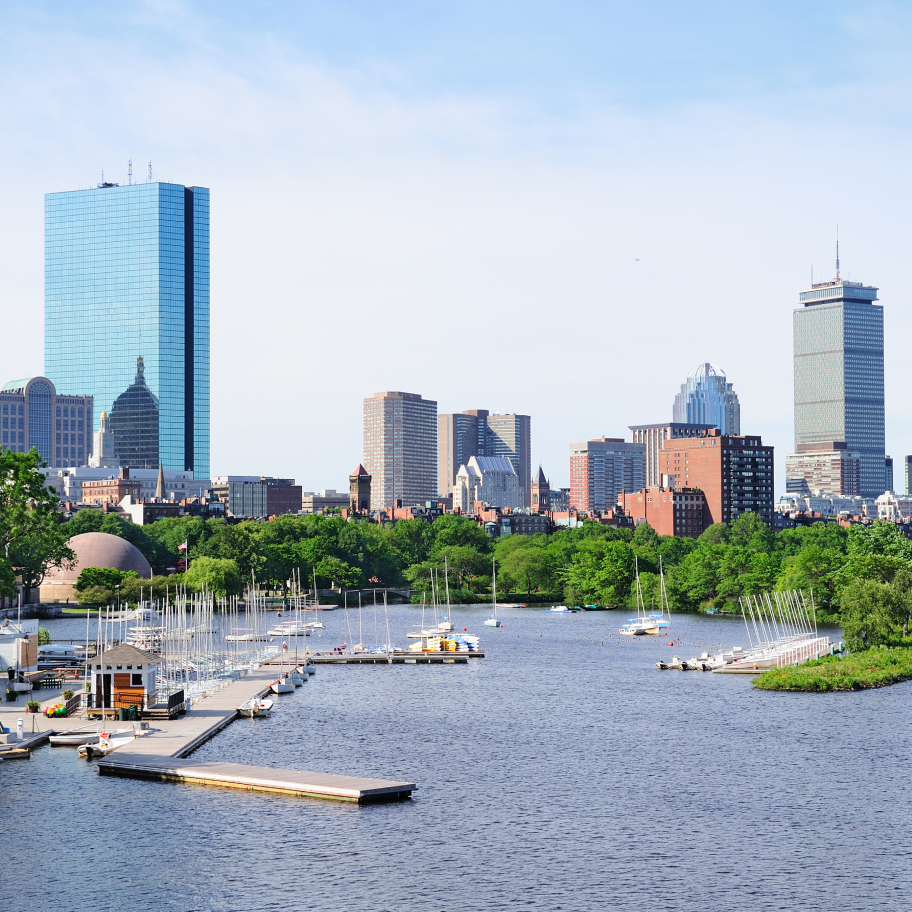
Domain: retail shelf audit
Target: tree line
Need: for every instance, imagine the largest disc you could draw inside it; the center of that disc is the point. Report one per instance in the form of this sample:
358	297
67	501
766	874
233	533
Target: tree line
860	576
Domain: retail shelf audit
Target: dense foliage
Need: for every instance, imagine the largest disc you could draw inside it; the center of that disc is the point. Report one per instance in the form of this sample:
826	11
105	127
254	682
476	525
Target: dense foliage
861	575
875	667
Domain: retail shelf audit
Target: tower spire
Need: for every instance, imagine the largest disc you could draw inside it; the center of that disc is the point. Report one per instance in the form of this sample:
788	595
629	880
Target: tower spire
837	253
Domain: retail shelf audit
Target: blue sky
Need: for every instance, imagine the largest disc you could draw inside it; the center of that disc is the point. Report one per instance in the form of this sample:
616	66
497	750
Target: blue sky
451	199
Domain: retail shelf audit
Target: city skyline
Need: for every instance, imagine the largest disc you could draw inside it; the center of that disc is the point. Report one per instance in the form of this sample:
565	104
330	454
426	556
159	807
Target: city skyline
395	204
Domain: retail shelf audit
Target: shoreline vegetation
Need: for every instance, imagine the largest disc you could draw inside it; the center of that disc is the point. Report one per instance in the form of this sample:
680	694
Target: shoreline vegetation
879	666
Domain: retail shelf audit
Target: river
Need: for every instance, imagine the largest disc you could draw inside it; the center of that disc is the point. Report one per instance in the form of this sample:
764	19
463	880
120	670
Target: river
561	772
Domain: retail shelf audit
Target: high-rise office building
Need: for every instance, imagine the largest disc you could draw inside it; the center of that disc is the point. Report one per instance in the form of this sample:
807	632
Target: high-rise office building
126	312
400	449
839	374
478	432
830	468
908	462
34	416
707	398
654	435
888	473
600	469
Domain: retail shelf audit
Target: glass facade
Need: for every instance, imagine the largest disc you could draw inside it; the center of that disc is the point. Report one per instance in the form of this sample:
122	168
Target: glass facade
127	315
839	375
706	398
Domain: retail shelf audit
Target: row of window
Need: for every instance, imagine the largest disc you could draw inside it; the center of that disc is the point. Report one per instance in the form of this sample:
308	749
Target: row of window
11	409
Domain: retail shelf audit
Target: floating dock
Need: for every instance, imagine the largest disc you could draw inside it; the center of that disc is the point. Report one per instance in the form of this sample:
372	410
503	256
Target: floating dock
396	658
258	779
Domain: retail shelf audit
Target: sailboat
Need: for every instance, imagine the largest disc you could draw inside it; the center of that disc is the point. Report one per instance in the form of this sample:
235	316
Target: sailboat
642	624
492	620
663	618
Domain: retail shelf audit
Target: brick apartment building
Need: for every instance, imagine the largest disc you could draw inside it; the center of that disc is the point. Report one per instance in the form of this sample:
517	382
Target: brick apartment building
735	474
679	512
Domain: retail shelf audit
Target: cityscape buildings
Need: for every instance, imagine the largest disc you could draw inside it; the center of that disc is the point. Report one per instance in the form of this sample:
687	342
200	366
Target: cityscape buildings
320	501
68	482
127	315
838	337
888	473
400	449
490	480
707	398
359	490
541	494
255	496
654	435
828	467
734	473
104	454
601	468
33	415
478	432
680	512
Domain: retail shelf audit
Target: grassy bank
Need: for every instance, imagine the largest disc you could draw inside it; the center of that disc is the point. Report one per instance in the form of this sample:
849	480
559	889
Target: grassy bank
878	667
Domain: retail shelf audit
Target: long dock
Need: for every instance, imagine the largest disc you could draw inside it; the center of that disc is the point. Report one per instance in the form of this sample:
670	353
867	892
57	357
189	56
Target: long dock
396	658
258	779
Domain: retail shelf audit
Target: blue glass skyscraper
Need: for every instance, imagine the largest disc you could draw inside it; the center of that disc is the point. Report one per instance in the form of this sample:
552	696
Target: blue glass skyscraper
706	398
126	311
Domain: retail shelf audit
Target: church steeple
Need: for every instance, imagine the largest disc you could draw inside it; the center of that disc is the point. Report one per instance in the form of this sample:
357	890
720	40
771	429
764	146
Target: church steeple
160	484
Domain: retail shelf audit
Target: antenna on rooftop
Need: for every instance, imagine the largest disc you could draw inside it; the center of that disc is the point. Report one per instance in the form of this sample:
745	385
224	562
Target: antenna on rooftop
837	253
149	174
130	172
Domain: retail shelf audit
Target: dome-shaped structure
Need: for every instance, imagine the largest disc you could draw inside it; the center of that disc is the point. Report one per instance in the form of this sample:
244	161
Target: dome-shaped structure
93	549
706	370
708	398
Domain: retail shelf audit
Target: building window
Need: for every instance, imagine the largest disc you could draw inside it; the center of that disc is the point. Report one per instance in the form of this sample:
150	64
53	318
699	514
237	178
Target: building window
136	680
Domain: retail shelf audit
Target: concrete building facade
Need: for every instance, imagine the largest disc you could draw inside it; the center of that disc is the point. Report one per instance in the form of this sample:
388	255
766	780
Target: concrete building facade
601	468
478	432
839	374
33	415
257	496
490	480
830	468
400	449
654	435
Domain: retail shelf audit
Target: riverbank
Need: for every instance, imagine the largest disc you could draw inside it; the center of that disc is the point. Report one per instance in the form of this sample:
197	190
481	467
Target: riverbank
878	667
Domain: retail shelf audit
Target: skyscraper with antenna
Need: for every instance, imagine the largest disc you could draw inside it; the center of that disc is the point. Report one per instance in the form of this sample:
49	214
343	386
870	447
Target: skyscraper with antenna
126	309
838	334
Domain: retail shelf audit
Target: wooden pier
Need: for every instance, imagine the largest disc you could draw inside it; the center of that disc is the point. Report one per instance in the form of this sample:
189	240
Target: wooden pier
396	658
258	779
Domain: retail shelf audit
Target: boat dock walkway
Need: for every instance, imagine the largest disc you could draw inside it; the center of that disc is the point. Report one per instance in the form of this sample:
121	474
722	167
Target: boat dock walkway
395	658
257	778
160	754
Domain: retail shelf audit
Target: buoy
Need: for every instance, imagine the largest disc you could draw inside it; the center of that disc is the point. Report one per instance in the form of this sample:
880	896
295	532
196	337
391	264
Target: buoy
464	629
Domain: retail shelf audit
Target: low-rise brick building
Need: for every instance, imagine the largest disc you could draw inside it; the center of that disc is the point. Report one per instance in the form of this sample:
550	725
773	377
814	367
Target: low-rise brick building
679	512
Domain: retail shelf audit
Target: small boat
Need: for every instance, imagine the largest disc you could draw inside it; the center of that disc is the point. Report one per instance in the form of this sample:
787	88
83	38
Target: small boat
297	677
282	685
83	736
256	708
492	620
559	608
642	624
675	663
107	742
696	664
307	668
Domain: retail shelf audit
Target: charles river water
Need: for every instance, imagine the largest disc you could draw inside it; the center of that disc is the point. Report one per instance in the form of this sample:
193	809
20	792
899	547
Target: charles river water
561	772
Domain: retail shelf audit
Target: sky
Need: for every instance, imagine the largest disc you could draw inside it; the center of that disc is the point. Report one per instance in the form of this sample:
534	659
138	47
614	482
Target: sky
551	209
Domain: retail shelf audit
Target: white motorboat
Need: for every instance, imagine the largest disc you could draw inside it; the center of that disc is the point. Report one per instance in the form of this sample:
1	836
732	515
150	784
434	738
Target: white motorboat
675	663
256	708
81	736
559	608
107	743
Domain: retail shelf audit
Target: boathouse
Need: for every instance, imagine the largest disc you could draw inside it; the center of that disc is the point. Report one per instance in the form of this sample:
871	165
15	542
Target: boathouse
123	676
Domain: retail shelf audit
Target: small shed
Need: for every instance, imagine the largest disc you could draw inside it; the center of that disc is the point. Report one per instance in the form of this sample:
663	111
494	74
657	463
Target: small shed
123	676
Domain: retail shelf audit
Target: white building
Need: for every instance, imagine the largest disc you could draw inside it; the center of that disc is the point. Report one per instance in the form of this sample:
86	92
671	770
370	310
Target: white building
489	479
826	504
894	507
103	455
178	485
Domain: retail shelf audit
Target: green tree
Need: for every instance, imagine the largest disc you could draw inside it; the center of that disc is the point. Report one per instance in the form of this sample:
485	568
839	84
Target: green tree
602	571
31	537
106	577
816	569
529	568
220	576
873	614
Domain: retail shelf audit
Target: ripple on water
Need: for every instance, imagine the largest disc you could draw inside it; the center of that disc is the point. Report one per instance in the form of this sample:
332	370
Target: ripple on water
563	772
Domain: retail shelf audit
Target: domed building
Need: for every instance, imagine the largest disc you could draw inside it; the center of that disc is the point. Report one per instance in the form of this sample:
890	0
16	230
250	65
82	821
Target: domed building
708	398
93	549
